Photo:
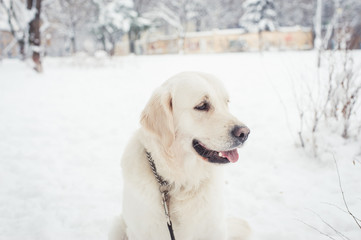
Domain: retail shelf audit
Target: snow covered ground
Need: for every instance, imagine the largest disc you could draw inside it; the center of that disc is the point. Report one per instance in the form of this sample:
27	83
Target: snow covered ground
62	134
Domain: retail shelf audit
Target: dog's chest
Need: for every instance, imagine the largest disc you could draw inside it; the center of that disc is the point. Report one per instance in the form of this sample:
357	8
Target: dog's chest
196	212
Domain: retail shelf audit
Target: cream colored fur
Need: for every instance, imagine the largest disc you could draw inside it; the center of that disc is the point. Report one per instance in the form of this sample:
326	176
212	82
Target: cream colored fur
169	123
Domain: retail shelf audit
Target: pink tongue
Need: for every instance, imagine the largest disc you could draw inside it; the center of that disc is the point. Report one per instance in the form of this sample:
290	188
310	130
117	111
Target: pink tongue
231	155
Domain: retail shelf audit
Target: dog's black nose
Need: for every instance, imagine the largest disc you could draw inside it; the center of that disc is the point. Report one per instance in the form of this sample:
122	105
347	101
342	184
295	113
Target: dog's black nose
241	133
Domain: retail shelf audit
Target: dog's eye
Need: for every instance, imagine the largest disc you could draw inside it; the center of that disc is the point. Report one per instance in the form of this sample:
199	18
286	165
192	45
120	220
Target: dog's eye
204	106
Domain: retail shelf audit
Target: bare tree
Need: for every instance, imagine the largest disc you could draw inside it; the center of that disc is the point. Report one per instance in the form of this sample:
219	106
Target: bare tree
71	19
179	15
295	12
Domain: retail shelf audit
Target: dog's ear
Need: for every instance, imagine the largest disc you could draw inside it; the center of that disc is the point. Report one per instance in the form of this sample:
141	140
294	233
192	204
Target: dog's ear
157	116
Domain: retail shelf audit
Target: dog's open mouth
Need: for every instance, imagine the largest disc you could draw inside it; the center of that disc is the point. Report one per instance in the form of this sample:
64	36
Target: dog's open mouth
215	156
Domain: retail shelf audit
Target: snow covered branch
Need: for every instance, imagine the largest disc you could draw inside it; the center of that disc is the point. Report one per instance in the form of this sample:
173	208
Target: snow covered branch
18	18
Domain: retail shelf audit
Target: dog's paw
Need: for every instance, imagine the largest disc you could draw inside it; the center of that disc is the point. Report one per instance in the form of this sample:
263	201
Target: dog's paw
238	229
119	230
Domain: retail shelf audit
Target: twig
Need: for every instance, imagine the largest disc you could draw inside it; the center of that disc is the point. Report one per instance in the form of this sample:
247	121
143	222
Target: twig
329	225
334	205
301	138
310	226
267	76
343	195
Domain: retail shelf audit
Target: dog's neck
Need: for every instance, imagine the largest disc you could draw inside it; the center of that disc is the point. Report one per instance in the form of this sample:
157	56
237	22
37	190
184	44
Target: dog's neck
185	171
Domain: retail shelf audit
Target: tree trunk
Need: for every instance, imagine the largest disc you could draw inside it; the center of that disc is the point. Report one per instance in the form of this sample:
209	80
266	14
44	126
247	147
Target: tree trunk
73	44
112	45
131	39
318	32
22	48
102	40
260	41
34	34
73	37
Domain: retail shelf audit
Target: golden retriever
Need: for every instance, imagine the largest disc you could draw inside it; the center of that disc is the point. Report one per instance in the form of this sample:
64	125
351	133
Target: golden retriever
189	132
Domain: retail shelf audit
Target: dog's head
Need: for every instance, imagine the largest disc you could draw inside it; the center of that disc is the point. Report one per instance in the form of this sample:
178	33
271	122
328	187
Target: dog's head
191	111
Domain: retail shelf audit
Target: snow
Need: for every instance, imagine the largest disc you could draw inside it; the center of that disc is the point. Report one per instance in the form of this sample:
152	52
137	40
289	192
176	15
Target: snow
62	134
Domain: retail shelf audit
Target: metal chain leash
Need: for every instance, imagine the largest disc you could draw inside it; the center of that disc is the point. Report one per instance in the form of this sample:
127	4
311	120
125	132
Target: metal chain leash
164	188
159	178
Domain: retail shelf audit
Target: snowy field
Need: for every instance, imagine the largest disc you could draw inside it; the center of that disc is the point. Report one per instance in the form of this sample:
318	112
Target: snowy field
62	134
